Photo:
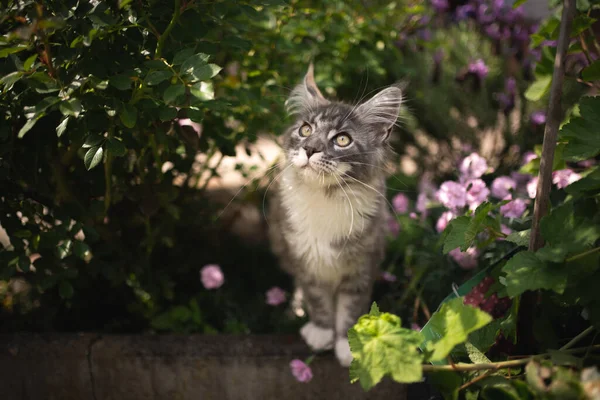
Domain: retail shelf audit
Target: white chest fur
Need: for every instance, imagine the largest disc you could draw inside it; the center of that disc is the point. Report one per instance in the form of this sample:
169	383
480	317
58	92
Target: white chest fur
318	220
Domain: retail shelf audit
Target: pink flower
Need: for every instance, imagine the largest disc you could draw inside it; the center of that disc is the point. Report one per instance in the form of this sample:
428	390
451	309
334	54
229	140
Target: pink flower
275	296
564	177
422	202
413	215
502	185
477	193
452	195
212	276
587	163
514	209
443	221
467	259
528	157
400	202
415	327
479	68
532	187
538	118
301	371
393	227
506	230
473	166
388	277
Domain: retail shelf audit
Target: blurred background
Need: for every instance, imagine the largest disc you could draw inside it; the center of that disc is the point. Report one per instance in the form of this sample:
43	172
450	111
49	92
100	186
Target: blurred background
138	141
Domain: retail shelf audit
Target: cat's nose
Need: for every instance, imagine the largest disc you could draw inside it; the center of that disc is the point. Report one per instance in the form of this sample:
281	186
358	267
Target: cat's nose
310	151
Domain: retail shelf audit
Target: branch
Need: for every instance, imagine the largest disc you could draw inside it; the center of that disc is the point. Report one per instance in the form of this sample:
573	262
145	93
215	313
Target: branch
167	32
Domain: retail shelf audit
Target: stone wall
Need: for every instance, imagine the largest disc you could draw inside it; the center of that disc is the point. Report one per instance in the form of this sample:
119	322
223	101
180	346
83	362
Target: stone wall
173	367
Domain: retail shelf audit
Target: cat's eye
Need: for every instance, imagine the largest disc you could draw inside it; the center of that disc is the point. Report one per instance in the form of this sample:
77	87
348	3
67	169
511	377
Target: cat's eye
342	140
305	130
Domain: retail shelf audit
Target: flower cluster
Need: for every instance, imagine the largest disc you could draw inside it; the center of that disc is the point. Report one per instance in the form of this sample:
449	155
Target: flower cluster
492	304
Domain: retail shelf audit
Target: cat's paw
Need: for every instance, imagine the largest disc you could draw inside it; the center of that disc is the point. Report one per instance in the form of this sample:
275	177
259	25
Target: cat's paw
342	352
317	338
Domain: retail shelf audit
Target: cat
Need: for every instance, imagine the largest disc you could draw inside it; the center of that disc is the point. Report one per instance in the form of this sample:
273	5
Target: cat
328	215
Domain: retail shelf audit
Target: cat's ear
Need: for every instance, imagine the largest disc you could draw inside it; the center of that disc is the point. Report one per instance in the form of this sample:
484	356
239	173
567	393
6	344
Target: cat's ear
382	109
306	96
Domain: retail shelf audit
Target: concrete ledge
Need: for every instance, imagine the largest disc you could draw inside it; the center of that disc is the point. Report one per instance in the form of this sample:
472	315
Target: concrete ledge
173	367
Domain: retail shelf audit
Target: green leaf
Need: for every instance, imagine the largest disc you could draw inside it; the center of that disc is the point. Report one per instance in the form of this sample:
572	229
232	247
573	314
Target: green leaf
27	127
581	23
568	232
203	72
455	236
475	355
380	346
5	52
203	91
519	3
62	127
539	88
583	133
184	54
478	224
81	250
93	157
156	77
8	81
121	82
71	107
167	113
520	238
194	62
65	290
92	140
589	183
173	92
453	322
128	115
195	115
525	271
447	382
116	147
591	72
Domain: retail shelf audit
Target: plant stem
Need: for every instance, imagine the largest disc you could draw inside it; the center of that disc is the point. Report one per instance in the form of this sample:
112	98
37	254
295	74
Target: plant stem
584	254
167	32
578	338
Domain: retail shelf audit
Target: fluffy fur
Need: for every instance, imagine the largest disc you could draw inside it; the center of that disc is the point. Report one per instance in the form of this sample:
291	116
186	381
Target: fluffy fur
328	212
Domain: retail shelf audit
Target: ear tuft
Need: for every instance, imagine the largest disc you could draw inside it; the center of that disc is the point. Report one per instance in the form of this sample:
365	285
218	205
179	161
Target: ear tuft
383	108
306	96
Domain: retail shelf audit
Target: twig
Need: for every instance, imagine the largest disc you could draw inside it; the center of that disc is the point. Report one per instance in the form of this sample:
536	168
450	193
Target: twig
577	338
584	254
167	32
480	377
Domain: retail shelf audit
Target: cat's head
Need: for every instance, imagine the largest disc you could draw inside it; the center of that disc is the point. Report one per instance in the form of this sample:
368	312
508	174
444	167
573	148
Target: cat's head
332	142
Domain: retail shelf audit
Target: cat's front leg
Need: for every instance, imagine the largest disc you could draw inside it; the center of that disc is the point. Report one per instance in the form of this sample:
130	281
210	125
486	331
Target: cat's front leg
353	297
319	332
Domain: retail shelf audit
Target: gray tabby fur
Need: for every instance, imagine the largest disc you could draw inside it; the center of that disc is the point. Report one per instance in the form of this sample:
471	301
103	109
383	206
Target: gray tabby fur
328	215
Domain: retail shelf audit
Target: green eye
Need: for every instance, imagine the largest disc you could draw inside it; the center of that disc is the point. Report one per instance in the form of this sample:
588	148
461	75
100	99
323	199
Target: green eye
305	130
342	140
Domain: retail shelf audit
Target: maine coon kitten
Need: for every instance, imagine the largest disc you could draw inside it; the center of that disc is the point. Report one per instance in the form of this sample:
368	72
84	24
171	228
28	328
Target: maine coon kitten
328	214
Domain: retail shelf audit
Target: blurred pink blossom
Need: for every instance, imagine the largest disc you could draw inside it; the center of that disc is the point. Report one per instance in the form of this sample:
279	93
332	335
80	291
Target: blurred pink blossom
388	277
528	157
400	202
211	276
505	229
477	193
452	195
479	68
587	163
514	209
422	202
413	215
467	259
275	296
502	185
393	227
564	177
538	118
473	166
443	221
532	187
301	371
415	327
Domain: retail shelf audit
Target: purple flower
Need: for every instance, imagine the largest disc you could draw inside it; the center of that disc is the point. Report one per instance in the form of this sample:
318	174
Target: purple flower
479	68
413	215
301	371
477	193
493	31
564	177
452	195
506	102
514	209
275	296
464	12
393	227
400	202
415	327
532	187
587	163
528	157
440	5
438	56
505	229
388	277
443	221
467	259
510	85
424	34
484	14
502	185
422	202
211	276
473	166
538	118
520	33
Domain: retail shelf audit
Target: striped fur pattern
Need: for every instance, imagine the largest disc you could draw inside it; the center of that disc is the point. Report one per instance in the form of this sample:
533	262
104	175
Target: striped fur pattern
328	212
